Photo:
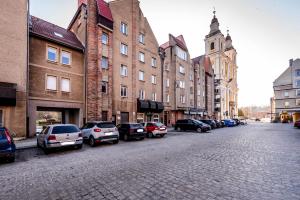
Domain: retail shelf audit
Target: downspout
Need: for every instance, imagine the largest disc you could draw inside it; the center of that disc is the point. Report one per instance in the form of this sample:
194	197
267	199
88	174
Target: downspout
27	71
85	64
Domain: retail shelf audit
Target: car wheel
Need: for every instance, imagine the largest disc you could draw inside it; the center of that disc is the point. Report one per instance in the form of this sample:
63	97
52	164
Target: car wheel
126	138
116	141
199	130
150	135
92	141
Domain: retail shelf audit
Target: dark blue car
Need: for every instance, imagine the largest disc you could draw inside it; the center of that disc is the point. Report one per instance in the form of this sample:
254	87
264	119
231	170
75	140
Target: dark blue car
229	122
7	146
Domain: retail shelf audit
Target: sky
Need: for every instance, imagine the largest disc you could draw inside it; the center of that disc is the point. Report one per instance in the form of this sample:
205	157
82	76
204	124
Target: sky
265	33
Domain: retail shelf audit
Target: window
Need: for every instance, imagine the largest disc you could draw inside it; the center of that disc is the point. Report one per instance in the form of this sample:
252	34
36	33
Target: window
141	75
286	94
51	83
167	67
65	85
297	104
181	53
168	98
124	28
297	72
191	77
104	38
104	62
286	104
104	87
167	82
105	118
298	83
153	79
191	90
182	98
153	62
212	46
123	70
199	92
182	84
142	38
58	35
181	69
297	92
154	96
123	91
1	117
124	49
142	57
142	94
65	58
52	54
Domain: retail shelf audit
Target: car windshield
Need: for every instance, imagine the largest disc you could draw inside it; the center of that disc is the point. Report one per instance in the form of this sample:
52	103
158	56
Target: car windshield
106	125
136	126
158	124
65	129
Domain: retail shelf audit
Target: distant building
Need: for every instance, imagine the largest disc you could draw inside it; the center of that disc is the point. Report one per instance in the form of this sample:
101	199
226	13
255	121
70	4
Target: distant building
287	92
13	65
223	58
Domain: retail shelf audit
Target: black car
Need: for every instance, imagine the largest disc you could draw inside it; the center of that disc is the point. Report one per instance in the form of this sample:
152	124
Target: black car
210	122
7	145
129	131
191	125
237	121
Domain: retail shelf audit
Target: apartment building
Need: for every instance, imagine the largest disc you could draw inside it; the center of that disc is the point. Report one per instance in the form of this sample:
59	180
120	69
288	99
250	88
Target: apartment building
287	92
223	58
56	76
137	70
13	65
93	26
178	85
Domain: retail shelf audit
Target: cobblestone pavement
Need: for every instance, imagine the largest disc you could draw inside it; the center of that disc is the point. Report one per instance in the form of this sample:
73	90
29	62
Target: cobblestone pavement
258	161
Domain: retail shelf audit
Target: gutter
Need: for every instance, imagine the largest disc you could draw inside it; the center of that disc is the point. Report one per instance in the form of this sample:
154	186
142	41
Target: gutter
27	72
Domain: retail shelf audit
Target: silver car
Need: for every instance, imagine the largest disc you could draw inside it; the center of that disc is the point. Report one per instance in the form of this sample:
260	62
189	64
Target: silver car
59	135
97	132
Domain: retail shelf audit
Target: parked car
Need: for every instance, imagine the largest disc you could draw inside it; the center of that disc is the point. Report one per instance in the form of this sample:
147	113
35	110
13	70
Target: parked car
229	122
191	125
243	122
58	136
154	129
297	124
7	145
210	122
237	121
97	131
129	131
218	124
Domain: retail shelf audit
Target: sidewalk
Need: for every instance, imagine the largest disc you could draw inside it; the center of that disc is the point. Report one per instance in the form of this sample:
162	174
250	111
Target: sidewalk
23	143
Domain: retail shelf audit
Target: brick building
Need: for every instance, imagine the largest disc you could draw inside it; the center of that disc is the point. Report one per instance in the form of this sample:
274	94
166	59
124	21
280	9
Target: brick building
56	76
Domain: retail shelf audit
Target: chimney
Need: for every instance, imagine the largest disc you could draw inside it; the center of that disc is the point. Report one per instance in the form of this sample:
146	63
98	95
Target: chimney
81	2
291	62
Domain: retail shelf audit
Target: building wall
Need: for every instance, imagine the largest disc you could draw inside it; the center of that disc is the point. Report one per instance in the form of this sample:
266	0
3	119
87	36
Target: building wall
40	67
129	12
13	61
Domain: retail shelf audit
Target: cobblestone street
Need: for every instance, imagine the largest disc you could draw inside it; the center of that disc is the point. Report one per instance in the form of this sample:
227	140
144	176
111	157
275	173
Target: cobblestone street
258	161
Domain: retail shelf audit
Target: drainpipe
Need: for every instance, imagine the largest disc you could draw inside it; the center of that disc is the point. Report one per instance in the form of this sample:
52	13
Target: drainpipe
27	71
85	63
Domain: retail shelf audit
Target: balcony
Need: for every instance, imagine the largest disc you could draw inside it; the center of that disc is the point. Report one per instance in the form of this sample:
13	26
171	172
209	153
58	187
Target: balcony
218	96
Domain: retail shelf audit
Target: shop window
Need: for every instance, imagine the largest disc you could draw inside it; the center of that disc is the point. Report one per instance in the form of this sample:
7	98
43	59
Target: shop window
140	118
156	118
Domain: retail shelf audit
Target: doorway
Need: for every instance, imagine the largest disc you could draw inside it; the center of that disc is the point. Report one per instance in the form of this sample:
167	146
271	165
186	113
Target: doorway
124	117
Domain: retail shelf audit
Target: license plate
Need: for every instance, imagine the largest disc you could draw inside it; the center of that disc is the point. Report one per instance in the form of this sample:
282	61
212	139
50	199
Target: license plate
140	130
67	143
162	129
109	133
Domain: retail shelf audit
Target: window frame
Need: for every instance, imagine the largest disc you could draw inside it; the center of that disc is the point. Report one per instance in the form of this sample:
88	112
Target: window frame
142	94
126	91
47	53
125	28
107	38
121	68
61	57
1	117
61	80
102	59
142	38
167	82
180	69
125	45
143	75
154	96
46	83
106	87
142	57
153	79
153	62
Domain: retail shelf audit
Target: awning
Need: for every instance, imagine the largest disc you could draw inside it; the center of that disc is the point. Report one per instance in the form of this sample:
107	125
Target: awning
152	105
8	94
142	106
159	107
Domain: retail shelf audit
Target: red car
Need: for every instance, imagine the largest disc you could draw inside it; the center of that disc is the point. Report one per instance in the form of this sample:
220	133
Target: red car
154	129
297	124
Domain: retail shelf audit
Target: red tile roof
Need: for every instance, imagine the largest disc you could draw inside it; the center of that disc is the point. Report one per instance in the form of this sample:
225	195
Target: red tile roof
179	41
104	10
54	33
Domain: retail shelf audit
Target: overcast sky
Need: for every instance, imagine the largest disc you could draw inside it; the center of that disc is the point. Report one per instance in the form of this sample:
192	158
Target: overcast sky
266	33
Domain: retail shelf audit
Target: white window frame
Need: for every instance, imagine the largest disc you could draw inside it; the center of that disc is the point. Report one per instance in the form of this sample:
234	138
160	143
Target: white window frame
182	54
61	85
124	89
168	98
123	70
154	96
181	69
286	94
153	79
142	94
298	92
106	86
141	75
182	99
142	57
56	53
63	52
124	49
47	86
103	39
102	62
142	38
124	28
286	104
182	84
153	62
167	82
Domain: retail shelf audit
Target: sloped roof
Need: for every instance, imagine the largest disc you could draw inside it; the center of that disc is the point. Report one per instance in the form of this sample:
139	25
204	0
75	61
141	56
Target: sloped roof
104	10
205	62
49	31
179	40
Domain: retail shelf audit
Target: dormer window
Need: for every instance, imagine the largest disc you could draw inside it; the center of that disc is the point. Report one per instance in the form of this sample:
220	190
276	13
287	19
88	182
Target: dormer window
212	46
58	35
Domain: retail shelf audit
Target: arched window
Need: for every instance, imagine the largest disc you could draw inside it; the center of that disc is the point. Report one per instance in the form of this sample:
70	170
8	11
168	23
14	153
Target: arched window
212	46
